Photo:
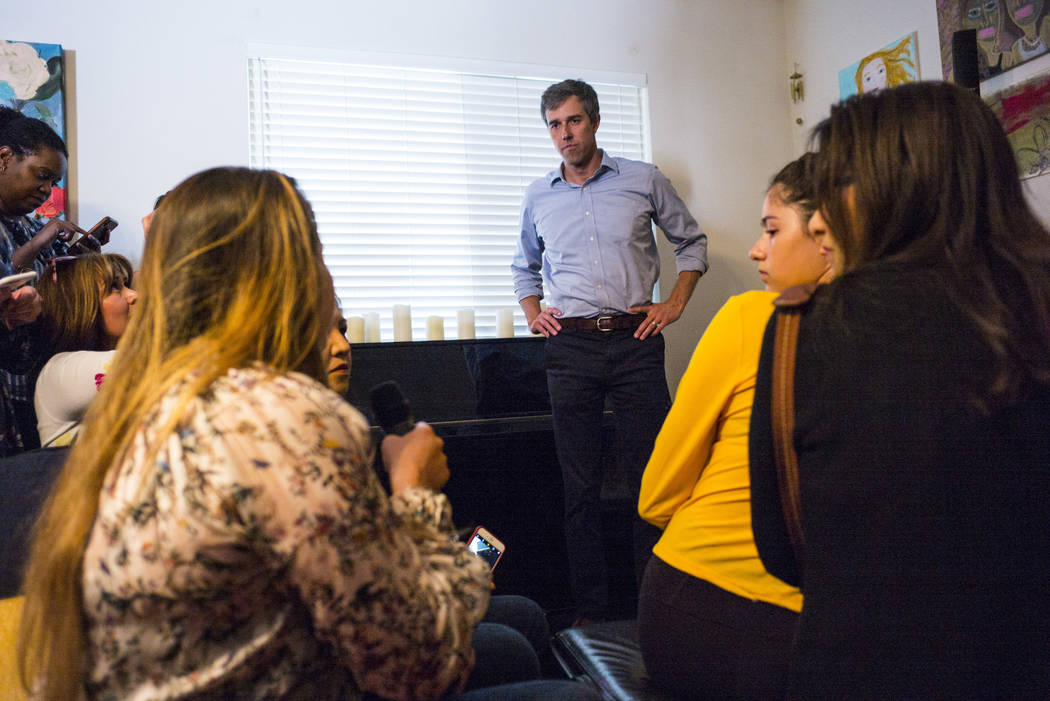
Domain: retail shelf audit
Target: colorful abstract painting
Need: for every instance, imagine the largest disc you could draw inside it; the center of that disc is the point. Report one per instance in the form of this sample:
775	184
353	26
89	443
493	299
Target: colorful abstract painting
893	64
31	82
1024	111
1009	32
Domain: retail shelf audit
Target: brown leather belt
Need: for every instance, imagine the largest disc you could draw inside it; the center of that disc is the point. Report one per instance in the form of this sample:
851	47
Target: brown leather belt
601	323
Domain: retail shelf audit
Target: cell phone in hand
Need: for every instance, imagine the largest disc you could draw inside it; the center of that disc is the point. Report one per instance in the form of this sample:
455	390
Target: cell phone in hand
93	240
486	546
101	231
13	282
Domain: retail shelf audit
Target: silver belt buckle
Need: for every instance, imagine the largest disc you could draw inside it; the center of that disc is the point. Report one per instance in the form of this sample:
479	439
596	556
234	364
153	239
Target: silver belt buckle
599	321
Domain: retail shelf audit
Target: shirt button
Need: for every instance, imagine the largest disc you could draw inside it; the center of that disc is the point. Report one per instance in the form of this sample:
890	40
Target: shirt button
587	213
592	238
596	262
599	287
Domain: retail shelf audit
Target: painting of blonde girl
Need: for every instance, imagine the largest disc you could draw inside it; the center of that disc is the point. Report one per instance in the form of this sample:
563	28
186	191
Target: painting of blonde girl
887	67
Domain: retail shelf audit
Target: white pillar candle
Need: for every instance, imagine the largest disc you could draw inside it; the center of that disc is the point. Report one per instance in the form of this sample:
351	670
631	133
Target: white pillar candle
505	323
355	329
372	327
435	328
402	322
465	322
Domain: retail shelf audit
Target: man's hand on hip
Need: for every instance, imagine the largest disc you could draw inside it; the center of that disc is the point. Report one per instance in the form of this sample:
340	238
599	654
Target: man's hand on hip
657	317
546	322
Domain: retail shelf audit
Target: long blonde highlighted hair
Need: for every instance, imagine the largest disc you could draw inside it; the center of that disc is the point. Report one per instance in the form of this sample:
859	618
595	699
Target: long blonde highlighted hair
232	275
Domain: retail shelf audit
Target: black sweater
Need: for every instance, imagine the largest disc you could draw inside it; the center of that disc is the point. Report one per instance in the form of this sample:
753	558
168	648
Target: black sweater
927	522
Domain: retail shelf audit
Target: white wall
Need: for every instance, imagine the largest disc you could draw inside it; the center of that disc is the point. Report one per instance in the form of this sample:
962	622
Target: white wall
157	92
824	36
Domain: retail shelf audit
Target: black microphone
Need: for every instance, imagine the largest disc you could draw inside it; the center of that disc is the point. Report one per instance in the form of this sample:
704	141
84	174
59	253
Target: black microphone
391	408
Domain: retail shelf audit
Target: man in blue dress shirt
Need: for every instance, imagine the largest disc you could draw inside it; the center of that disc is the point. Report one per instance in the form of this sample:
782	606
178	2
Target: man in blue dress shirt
586	233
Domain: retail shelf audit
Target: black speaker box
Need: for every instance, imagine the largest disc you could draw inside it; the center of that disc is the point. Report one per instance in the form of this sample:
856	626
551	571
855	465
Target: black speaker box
965	70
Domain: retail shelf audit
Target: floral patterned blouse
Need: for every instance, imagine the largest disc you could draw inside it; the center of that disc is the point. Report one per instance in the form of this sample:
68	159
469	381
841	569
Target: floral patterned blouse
256	556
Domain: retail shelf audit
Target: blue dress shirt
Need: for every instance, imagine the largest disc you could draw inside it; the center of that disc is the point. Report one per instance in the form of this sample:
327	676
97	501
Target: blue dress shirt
593	244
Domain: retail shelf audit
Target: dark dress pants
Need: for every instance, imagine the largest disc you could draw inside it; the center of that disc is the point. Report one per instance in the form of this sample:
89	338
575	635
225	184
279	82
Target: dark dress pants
583	369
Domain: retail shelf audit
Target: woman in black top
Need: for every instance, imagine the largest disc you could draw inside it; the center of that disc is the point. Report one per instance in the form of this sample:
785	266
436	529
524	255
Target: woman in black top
922	413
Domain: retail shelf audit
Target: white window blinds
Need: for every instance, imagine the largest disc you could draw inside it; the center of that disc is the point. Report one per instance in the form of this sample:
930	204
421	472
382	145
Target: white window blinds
416	176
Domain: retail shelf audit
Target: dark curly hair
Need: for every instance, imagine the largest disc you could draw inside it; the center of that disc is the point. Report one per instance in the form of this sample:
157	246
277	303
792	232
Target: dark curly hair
795	187
26	135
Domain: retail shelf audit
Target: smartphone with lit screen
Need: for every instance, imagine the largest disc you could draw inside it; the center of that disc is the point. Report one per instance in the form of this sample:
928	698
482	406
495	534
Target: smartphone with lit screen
486	546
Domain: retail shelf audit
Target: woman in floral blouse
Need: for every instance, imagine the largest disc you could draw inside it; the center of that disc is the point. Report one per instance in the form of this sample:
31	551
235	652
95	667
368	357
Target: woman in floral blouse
218	531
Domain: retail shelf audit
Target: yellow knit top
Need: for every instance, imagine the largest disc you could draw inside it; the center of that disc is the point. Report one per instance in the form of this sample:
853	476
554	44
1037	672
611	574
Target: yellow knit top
696	486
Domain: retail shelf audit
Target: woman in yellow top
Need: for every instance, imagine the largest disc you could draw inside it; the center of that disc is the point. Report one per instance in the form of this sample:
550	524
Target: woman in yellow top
712	622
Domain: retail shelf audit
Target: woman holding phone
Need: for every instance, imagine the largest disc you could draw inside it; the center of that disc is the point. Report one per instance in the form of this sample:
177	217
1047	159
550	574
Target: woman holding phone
87	305
19	306
217	530
32	161
513	639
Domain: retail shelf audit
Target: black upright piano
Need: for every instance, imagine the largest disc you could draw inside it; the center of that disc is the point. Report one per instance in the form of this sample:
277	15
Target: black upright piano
487	398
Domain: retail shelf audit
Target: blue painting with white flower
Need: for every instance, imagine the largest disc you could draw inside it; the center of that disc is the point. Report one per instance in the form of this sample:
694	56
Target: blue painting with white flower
31	82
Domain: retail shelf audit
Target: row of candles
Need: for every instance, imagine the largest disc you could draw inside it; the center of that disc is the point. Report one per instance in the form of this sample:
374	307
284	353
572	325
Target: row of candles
365	329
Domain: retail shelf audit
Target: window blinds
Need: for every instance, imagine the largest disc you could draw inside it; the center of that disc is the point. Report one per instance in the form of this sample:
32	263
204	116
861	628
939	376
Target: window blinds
416	176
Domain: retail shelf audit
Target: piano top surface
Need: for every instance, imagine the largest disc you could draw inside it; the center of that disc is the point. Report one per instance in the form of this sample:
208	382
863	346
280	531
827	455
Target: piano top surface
485	384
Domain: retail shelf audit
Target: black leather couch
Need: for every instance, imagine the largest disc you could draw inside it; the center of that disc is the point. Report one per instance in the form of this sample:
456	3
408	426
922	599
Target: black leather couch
607	653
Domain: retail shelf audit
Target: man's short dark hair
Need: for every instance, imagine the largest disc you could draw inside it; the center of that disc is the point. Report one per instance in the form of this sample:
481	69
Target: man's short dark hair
560	92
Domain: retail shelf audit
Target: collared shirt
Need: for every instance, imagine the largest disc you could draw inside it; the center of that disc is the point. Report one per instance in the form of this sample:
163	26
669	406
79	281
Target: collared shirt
593	244
17	428
16	231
